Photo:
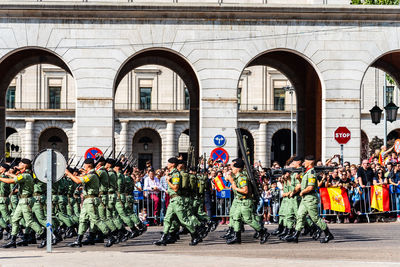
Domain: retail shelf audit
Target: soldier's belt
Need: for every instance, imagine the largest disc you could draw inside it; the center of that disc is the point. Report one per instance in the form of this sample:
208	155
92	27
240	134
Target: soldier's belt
89	196
37	194
24	196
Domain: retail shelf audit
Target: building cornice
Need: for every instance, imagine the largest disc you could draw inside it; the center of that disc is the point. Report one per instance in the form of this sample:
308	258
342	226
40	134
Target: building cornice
220	12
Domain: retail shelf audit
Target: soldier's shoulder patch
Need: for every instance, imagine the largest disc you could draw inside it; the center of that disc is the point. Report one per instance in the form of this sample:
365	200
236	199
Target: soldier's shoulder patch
86	178
175	180
243	183
20	177
311	180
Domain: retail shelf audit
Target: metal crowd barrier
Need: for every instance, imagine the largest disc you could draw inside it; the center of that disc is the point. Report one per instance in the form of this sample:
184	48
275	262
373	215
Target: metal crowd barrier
154	205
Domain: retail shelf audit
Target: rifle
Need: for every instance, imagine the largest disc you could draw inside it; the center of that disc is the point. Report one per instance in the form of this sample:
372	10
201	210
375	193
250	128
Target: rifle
70	161
250	169
119	154
191	161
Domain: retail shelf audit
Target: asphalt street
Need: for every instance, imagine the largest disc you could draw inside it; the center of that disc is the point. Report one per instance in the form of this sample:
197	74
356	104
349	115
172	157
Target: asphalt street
376	244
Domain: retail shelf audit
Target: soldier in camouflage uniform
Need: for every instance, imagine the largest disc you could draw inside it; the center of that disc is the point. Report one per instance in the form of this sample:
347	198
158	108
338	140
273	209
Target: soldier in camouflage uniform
5	214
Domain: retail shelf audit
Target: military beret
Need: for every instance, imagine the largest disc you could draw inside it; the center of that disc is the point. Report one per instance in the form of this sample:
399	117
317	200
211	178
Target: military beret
297	158
110	161
310	157
181	162
26	161
89	161
239	163
173	160
5	166
234	160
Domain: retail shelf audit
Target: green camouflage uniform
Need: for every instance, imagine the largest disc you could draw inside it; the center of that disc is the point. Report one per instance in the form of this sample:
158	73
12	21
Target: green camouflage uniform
5	217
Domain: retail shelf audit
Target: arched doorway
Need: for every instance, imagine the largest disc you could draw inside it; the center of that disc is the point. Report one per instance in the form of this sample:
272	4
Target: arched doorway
178	64
13	144
147	147
280	149
305	80
14	62
364	153
54	138
248	138
184	144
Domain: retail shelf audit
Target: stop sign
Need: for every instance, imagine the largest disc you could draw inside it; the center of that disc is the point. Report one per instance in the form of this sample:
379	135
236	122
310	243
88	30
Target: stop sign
342	135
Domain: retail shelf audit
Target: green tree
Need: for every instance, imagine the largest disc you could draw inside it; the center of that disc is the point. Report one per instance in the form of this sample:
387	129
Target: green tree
375	144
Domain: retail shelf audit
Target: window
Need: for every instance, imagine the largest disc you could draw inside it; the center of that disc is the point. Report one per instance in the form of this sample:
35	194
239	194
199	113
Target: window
279	95
389	94
239	93
10	97
54	97
187	99
145	97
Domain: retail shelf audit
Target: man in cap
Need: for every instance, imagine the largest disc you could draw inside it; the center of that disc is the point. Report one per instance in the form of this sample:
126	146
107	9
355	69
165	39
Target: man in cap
309	203
5	217
23	209
89	212
245	204
176	207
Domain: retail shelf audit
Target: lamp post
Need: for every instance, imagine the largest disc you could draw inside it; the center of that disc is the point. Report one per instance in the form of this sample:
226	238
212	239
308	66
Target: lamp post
389	115
290	90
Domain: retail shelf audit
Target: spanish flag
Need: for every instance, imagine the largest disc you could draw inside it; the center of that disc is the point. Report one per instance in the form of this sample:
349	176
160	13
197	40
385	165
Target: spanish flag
335	198
380	197
219	184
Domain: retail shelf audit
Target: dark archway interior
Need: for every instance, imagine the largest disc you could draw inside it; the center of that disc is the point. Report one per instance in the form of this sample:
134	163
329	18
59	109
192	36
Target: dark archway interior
248	137
54	138
389	63
11	65
306	82
10	131
281	146
147	146
180	66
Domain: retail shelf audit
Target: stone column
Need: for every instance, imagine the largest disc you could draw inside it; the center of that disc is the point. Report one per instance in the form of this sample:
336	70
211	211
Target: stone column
29	139
169	145
123	137
262	144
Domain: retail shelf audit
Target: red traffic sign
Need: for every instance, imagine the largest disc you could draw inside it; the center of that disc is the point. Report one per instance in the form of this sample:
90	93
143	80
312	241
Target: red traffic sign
342	135
92	152
220	154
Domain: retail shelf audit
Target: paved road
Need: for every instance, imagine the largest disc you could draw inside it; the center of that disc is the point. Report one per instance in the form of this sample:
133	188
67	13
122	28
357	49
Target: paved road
354	245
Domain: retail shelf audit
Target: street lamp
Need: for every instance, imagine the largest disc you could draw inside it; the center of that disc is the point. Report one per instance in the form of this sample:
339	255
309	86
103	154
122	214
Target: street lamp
376	113
290	90
391	111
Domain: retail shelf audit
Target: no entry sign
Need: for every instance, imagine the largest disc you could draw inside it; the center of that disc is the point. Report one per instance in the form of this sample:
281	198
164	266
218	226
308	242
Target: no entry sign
91	152
220	154
342	135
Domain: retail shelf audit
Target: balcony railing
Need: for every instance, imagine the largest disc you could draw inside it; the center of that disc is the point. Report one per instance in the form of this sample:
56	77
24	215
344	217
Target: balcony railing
266	107
151	107
40	106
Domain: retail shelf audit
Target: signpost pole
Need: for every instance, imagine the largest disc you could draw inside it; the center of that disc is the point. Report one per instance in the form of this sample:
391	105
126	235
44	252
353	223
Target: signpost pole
341	154
49	176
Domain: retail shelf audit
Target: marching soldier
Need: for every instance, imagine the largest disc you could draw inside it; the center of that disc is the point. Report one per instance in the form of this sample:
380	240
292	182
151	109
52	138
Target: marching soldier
5	218
245	212
89	209
176	207
23	209
309	204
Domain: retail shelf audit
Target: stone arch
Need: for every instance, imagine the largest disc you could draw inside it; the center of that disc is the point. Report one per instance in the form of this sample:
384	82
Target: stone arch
306	79
180	65
54	137
147	145
15	61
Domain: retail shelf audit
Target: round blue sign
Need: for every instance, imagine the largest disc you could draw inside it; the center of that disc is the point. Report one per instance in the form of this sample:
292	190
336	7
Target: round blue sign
219	140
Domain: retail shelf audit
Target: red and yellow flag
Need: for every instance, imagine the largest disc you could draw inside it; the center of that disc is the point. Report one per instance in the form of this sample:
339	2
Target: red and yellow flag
335	198
380	197
219	184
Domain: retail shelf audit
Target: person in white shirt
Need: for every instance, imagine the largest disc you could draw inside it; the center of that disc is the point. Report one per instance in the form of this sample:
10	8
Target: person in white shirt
153	187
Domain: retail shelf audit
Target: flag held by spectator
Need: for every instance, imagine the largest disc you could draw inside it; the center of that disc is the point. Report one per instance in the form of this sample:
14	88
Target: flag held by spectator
335	198
380	197
219	184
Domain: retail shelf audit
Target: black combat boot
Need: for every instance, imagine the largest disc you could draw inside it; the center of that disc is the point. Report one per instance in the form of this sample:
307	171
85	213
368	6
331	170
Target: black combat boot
24	241
307	230
8	231
278	230
284	232
183	231
1	233
264	235
328	236
89	239
99	238
317	234
142	228
236	239
12	243
256	235
195	239
77	243
70	232
110	240
293	238
135	232
242	228
291	232
162	241
173	237
228	234
42	236
214	225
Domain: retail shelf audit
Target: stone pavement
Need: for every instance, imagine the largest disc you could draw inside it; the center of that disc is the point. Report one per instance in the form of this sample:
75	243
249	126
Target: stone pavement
374	244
